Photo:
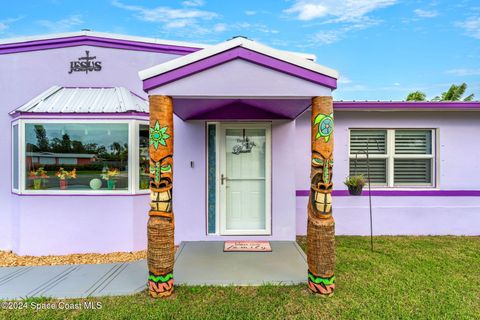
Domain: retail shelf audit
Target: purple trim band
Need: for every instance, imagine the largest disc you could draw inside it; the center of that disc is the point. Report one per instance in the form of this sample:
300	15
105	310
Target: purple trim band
80	194
387	105
239	53
93	41
403	193
30	115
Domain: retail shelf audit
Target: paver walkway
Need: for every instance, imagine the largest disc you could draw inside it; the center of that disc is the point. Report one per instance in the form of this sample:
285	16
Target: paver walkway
196	263
73	281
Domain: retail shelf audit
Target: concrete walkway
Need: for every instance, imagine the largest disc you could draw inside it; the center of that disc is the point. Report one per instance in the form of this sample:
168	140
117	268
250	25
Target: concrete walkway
73	281
196	263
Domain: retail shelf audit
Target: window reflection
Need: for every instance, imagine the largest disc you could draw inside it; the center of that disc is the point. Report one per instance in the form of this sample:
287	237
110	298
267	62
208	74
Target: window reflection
76	156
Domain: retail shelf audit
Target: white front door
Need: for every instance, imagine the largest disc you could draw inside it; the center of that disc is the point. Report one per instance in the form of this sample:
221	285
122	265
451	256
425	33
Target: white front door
245	179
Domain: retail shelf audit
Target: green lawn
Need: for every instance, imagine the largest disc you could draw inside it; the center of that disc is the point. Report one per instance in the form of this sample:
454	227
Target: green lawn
405	278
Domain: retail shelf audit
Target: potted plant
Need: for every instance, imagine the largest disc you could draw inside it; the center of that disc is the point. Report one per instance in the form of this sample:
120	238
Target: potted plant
39	177
110	175
355	184
63	175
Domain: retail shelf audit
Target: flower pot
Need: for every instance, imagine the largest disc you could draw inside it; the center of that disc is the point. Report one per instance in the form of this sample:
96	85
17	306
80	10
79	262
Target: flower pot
37	184
63	184
111	184
355	190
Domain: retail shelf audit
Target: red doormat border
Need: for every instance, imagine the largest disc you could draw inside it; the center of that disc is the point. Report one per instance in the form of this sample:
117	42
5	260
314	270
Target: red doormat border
247	246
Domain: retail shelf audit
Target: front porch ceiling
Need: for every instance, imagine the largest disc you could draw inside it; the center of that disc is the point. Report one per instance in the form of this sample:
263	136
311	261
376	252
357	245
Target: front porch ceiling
239	109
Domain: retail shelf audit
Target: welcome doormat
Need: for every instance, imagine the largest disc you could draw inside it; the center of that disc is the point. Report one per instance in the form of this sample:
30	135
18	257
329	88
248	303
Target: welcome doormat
247	246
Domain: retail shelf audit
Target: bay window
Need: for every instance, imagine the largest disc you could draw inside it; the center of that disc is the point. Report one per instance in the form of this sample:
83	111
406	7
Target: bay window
398	157
144	157
80	156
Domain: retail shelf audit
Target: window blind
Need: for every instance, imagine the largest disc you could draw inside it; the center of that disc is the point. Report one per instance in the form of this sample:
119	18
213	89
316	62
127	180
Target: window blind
376	140
378	169
412	171
413	141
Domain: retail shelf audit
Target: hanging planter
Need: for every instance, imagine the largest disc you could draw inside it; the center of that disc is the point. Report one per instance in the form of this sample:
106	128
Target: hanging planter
355	184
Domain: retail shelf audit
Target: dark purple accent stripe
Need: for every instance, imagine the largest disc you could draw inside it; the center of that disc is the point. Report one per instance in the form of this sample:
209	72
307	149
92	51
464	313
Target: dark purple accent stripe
93	41
72	194
239	53
403	193
79	114
387	105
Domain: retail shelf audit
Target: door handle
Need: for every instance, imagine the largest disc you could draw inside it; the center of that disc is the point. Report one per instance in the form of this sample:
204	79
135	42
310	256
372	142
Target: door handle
222	178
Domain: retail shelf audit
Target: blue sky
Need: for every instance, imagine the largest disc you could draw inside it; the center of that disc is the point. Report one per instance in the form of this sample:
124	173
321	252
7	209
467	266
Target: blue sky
383	49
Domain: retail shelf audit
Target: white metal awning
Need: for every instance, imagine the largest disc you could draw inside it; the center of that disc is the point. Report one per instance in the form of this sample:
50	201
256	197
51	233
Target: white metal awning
84	100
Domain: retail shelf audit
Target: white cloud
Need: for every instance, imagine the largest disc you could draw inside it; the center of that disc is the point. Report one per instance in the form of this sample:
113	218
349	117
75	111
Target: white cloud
219	27
339	11
463	72
347	16
5	23
308	11
171	18
61	25
250	12
344	80
330	36
396	84
326	37
193	3
471	26
425	13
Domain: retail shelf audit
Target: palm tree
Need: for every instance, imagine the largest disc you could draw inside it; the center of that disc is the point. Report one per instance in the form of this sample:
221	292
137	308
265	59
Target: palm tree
454	93
416	96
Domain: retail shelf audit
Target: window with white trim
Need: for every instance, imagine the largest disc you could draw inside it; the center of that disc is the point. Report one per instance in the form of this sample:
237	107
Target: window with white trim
397	157
51	156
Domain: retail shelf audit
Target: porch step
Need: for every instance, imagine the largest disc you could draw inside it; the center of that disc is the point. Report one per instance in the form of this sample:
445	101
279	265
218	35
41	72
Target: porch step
205	263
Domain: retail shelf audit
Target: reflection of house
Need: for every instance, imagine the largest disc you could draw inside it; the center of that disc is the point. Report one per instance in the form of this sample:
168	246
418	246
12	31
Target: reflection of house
45	158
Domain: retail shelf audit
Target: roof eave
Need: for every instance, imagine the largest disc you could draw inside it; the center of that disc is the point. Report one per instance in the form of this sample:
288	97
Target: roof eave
231	44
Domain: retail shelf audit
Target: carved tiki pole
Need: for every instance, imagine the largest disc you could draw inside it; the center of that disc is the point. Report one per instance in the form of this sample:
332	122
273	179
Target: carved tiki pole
321	226
161	248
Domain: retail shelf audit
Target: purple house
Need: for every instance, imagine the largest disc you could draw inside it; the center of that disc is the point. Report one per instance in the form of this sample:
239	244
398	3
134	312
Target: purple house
242	153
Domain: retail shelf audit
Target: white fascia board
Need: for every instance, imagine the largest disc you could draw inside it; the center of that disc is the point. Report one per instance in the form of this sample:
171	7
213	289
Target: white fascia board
308	56
102	35
230	44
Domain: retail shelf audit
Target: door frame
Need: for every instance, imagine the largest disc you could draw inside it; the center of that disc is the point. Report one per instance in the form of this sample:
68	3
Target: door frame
222	196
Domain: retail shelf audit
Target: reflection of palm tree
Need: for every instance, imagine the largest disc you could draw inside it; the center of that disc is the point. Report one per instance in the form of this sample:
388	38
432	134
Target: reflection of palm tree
116	148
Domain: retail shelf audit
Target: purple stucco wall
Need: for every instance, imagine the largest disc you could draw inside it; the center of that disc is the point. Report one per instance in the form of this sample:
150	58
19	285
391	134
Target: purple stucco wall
57	225
190	191
459	169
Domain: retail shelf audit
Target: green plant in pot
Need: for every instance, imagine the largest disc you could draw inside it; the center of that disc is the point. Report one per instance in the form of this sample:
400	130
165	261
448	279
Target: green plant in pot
110	175
355	184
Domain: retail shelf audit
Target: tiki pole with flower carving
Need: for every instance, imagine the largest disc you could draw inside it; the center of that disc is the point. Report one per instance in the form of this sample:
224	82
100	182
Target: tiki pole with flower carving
160	228
321	226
